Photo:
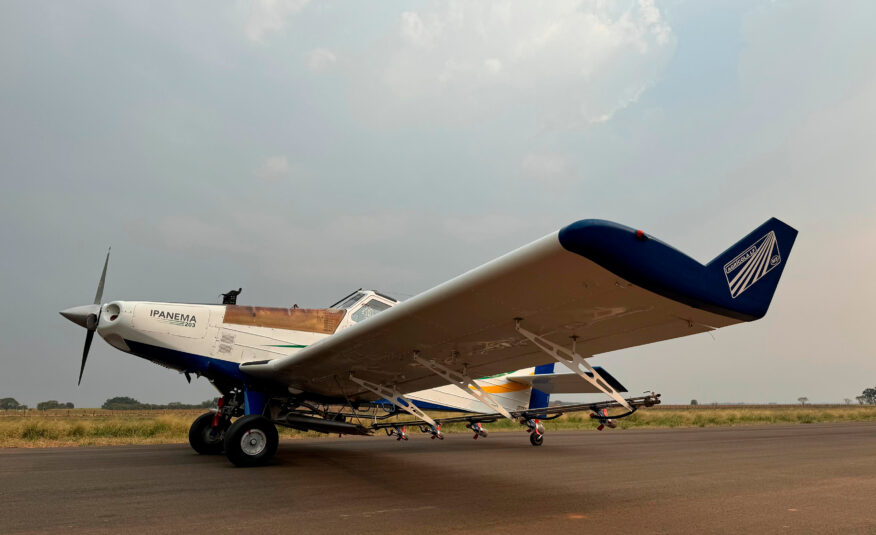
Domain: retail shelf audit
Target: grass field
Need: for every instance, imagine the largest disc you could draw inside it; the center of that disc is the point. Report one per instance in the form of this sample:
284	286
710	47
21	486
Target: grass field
89	427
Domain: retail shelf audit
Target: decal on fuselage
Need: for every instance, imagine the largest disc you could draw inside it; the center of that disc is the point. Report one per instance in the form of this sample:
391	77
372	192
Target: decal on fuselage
174	318
752	264
178	320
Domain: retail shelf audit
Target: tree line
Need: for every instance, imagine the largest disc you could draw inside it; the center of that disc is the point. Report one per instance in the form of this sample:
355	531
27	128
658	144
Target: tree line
11	404
124	403
867	397
116	403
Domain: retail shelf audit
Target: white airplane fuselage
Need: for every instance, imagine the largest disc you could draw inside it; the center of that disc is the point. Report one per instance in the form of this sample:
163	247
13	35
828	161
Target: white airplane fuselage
213	340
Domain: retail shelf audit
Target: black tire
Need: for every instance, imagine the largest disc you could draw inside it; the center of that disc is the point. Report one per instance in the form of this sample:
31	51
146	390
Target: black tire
536	439
251	441
206	439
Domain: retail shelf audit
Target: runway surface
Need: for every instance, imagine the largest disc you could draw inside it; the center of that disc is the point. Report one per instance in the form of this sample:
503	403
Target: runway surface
770	479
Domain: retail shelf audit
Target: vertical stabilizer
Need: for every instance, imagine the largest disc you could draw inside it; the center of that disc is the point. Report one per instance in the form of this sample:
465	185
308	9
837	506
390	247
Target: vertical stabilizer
537	398
746	275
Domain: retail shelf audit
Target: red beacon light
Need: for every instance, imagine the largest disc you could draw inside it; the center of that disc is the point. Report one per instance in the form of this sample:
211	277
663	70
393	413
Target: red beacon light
641	236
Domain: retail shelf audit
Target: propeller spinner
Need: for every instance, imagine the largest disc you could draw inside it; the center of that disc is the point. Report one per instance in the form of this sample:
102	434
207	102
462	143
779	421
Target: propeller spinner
88	316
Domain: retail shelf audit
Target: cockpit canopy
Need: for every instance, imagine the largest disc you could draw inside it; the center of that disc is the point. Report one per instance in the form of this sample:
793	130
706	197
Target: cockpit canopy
363	304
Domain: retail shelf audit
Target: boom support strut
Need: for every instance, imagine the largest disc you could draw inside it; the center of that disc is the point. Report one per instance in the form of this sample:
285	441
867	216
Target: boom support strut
465	383
575	362
393	396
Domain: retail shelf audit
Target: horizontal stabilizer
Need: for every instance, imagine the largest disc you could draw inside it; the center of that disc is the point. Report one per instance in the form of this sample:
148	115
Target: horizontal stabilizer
566	383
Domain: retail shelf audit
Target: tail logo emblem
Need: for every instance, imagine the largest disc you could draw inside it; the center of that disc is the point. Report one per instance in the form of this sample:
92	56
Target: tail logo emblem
752	264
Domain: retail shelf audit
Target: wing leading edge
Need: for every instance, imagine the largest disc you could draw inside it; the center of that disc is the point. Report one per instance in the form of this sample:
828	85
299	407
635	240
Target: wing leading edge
609	285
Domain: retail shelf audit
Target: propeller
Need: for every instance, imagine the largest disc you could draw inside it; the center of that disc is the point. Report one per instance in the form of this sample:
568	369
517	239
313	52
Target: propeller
88	316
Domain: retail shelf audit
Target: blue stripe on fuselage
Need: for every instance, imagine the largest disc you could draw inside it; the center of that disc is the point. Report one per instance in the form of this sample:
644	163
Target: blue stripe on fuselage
188	362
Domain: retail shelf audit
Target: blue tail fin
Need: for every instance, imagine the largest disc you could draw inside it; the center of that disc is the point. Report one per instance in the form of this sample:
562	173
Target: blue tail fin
748	272
739	283
539	399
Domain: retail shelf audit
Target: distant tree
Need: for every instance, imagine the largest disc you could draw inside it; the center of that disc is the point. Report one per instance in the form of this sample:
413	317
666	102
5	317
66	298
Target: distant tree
860	399
848	401
122	403
803	400
11	404
53	404
694	402
869	396
210	403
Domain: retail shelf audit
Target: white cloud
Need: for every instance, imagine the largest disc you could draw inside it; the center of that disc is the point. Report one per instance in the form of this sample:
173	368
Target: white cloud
188	233
320	58
415	32
493	65
273	168
483	228
269	16
341	248
652	20
552	168
567	62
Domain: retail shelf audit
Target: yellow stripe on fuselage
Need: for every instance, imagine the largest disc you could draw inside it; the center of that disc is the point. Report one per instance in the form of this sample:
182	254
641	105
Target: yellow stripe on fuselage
503	388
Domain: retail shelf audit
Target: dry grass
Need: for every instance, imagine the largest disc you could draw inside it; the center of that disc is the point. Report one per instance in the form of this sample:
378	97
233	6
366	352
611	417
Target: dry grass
733	416
97	427
92	427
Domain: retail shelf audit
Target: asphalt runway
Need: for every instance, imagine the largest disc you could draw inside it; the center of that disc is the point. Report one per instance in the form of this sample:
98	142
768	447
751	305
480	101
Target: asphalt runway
769	479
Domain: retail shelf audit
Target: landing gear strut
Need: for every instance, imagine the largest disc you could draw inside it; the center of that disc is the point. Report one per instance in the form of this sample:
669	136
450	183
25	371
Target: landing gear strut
536	431
251	441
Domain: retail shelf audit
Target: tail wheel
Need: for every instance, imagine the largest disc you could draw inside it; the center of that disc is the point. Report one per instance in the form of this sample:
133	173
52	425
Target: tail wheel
206	439
536	439
251	441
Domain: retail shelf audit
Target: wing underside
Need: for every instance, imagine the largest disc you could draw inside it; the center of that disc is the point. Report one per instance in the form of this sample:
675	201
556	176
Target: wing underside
468	323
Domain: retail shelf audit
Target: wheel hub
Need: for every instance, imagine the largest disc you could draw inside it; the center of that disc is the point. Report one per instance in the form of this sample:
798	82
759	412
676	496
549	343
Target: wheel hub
253	442
213	435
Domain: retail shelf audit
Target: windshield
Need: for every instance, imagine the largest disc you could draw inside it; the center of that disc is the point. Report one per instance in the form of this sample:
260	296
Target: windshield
352	300
368	309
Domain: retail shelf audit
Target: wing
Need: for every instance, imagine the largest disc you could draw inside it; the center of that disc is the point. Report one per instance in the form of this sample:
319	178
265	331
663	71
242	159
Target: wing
611	286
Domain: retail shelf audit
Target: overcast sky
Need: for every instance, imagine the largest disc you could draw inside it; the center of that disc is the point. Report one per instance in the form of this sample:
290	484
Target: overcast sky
302	150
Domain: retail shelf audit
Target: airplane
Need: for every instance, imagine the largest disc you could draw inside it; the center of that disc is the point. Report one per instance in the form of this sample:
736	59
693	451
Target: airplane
589	288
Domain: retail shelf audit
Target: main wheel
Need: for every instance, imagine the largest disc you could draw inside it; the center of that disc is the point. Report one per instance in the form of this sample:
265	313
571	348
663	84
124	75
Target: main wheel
251	441
206	439
536	439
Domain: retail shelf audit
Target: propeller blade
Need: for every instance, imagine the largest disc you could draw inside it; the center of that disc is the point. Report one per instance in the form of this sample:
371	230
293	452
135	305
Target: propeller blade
99	295
88	337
